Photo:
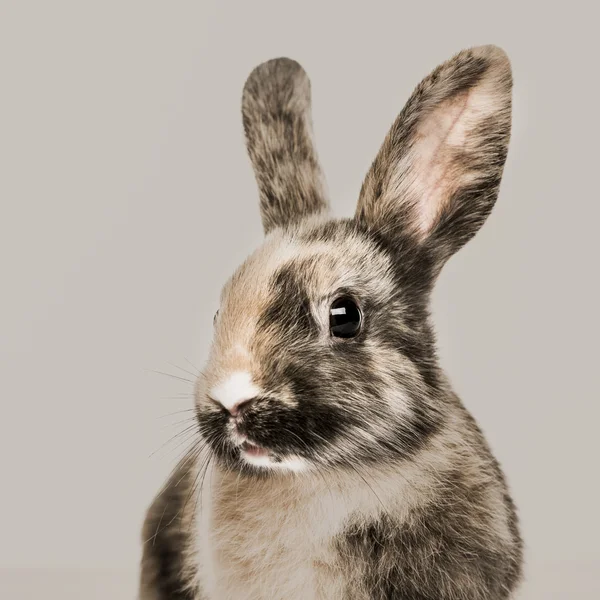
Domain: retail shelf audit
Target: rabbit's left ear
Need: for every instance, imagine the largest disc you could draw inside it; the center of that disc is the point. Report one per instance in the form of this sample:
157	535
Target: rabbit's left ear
436	177
277	123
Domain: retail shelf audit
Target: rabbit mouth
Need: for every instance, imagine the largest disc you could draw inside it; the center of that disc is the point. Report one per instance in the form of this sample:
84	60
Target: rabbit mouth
255	455
247	441
252	450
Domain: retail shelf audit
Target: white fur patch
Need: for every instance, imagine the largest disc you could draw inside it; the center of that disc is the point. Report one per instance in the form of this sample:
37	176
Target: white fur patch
289	463
236	389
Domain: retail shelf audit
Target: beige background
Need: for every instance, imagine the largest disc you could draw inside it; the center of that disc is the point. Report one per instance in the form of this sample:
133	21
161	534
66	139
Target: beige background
127	199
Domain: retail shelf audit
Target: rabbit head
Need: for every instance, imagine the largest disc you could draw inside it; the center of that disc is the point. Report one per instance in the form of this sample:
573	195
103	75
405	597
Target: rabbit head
323	354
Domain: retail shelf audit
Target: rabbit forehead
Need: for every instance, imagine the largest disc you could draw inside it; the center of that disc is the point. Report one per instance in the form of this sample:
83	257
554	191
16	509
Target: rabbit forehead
322	259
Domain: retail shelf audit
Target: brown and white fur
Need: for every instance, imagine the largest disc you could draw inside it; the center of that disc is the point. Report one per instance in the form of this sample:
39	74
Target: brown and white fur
331	467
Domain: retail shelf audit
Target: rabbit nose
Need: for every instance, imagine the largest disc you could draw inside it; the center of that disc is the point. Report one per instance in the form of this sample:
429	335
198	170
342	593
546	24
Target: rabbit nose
240	407
235	393
237	409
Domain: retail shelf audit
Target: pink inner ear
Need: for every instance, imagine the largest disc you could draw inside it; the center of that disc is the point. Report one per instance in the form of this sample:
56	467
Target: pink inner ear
433	170
442	130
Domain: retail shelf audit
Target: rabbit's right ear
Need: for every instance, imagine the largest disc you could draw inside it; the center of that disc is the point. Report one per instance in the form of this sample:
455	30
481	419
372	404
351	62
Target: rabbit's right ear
436	177
276	111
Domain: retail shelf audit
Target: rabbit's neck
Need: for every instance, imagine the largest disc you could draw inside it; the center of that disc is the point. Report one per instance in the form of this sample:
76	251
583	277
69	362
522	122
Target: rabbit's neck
285	527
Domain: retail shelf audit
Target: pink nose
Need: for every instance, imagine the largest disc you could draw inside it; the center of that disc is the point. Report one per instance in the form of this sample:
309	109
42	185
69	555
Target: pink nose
239	407
236	409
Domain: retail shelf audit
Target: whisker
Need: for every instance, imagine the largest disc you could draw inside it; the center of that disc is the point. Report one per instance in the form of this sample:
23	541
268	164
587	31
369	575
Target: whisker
366	483
180	511
170	375
191	419
177	435
191	451
361	476
177	412
189	455
319	455
194	455
153	538
186	435
182	369
198	371
198	482
189	400
201	486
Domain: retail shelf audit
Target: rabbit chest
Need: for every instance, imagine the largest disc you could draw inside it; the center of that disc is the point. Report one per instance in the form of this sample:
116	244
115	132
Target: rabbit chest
266	542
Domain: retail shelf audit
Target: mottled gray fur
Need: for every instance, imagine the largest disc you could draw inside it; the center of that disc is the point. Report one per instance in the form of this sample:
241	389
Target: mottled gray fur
277	122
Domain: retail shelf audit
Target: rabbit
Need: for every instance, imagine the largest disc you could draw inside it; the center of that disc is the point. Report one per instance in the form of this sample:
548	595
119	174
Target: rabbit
333	460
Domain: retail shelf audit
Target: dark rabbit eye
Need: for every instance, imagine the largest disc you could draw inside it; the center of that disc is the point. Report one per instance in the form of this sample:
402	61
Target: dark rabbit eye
345	318
215	317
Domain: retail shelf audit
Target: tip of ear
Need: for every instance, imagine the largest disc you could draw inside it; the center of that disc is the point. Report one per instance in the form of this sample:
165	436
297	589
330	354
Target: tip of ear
282	62
495	55
282	70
